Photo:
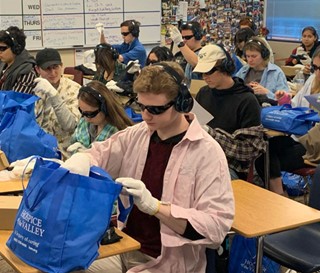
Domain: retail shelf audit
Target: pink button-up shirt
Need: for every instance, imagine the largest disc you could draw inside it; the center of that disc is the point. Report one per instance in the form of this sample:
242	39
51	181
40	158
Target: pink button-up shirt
196	183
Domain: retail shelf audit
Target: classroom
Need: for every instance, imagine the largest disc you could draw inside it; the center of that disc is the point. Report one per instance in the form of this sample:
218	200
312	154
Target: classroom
159	136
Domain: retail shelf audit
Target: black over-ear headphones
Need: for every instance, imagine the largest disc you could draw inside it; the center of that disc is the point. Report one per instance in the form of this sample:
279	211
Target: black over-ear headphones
195	27
184	101
265	52
101	100
227	63
16	48
114	52
134	28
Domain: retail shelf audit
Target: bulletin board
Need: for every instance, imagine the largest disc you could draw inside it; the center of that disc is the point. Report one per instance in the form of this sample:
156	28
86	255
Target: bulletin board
71	23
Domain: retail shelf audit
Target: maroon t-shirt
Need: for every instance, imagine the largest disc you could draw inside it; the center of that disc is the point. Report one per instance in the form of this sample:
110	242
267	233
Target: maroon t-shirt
143	227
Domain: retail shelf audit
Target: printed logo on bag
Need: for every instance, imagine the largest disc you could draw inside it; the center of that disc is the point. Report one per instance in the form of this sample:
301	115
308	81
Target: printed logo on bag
30	223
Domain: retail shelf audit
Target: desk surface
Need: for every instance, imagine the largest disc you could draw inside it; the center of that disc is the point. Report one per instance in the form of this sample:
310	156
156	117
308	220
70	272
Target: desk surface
12	186
126	244
260	212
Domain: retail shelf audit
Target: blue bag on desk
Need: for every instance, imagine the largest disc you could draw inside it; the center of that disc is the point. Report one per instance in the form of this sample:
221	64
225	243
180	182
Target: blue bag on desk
284	118
243	255
20	134
62	217
12	101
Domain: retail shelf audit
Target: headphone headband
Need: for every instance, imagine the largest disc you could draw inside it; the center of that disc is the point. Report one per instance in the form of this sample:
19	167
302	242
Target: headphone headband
184	101
94	93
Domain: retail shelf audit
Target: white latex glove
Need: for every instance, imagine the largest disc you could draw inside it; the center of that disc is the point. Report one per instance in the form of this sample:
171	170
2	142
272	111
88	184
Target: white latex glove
78	163
100	28
175	35
307	59
76	147
44	87
141	195
112	85
134	68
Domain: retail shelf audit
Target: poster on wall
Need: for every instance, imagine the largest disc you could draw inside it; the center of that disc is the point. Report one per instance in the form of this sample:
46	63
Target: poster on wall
218	18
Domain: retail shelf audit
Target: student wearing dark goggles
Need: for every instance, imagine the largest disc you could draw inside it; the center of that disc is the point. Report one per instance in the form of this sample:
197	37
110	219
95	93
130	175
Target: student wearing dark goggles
3	48
155	110
187	37
125	33
88	114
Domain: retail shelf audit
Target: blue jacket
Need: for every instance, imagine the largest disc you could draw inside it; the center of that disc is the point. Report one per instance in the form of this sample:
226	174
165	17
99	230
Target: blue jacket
272	78
133	51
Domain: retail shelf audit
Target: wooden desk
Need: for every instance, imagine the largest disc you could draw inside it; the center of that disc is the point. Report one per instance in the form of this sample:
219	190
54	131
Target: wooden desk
260	212
88	77
12	186
126	244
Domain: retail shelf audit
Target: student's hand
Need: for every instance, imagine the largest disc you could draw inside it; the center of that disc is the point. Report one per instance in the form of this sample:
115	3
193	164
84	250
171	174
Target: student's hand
279	94
141	195
134	68
306	69
43	86
99	28
112	86
76	147
175	35
258	88
78	163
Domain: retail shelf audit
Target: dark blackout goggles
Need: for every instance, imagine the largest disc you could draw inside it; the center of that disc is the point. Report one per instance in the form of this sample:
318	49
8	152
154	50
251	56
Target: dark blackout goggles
89	114
155	110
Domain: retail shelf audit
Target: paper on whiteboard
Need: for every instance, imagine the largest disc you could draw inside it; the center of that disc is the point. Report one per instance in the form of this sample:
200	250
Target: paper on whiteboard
202	114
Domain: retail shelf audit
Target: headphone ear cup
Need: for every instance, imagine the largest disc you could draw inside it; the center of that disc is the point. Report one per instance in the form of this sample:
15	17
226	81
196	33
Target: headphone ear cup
184	101
115	54
16	49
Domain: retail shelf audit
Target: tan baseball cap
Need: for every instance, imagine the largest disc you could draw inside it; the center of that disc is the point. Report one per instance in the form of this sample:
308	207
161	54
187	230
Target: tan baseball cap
208	57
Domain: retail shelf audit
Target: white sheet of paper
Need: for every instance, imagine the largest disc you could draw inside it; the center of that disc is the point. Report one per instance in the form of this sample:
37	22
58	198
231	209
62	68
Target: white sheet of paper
314	100
202	114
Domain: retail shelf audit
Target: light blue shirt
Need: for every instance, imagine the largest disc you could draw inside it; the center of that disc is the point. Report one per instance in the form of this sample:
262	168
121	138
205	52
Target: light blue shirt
272	78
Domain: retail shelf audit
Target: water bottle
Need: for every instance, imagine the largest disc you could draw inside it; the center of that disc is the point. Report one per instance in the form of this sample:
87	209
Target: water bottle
298	80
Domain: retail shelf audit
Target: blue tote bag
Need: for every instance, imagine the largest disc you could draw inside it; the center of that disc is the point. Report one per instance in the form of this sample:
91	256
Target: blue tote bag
284	118
21	137
62	217
243	255
12	101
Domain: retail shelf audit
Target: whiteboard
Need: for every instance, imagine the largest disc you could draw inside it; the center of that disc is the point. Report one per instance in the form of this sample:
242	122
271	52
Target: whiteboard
69	23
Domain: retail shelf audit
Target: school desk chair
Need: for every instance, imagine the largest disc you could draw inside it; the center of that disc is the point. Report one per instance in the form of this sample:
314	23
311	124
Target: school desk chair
78	75
298	249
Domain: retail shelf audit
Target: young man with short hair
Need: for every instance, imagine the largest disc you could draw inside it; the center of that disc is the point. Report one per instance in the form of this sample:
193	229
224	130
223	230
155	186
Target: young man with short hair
177	174
58	108
236	121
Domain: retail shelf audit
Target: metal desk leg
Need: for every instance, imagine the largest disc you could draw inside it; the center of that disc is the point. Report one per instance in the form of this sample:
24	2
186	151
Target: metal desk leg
260	241
266	166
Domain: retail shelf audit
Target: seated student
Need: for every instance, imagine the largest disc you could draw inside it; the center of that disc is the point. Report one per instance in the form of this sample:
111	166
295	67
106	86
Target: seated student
303	53
236	121
167	157
247	22
189	43
131	49
311	86
263	77
159	54
115	75
17	65
102	116
286	153
57	110
242	36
